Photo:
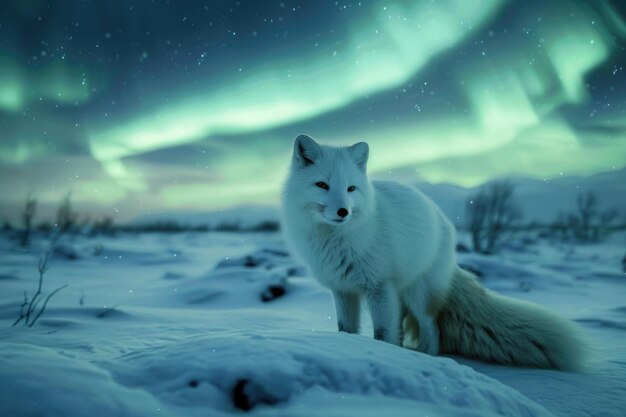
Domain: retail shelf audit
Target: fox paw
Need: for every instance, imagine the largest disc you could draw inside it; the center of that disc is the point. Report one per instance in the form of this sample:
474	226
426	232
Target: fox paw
426	347
429	342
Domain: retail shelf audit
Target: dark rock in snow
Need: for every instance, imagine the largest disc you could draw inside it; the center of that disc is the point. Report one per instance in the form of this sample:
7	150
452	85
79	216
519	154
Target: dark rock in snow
239	396
246	395
272	292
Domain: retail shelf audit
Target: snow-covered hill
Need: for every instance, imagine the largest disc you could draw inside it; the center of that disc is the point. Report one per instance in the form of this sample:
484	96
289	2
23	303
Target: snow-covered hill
540	200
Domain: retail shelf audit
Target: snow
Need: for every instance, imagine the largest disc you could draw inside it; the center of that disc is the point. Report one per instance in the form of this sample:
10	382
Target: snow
40	381
284	368
203	324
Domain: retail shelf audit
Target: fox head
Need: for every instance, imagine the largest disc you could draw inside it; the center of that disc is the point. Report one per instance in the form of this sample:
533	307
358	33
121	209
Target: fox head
329	183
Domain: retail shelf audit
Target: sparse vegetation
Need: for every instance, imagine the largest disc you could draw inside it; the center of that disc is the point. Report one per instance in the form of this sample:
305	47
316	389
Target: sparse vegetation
28	213
28	310
66	220
586	211
587	223
228	227
266	226
104	226
491	215
45	228
69	222
162	227
176	227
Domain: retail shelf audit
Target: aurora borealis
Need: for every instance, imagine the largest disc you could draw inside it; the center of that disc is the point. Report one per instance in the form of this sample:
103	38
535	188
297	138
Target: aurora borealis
148	106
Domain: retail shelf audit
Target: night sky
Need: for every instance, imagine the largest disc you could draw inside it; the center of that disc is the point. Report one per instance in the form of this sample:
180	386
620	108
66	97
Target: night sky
148	106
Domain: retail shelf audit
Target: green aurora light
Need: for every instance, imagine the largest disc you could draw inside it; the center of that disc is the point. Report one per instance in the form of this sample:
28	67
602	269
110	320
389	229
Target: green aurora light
453	91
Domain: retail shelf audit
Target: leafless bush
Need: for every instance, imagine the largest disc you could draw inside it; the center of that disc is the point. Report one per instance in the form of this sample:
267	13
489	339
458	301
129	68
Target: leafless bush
226	226
66	218
28	310
586	205
266	226
606	224
84	225
28	213
104	226
558	229
587	223
491	215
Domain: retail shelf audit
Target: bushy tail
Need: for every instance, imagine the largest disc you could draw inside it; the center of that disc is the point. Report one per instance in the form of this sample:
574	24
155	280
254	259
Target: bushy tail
477	323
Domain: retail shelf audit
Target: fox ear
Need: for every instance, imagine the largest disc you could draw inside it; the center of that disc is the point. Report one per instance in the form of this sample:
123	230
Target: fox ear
359	153
305	151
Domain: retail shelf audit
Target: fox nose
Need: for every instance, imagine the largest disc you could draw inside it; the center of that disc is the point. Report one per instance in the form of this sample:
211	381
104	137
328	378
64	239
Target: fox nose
342	212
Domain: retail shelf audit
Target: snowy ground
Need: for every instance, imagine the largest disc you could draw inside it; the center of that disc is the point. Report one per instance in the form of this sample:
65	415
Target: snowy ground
213	324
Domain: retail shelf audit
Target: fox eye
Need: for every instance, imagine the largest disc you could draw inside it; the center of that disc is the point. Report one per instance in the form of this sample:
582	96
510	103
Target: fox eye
322	185
351	188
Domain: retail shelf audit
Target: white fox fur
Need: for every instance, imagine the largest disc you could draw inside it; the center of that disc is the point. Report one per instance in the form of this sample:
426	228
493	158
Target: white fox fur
390	245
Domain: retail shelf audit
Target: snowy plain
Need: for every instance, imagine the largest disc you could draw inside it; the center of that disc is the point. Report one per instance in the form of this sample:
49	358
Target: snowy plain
197	324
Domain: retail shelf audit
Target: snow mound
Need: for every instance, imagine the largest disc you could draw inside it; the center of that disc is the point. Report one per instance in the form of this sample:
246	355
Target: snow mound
268	258
36	381
233	287
504	275
241	281
278	372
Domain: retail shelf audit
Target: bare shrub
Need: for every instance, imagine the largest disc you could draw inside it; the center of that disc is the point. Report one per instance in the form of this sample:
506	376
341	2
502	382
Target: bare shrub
266	226
104	226
491	215
28	214
226	226
28	310
586	205
67	218
587	223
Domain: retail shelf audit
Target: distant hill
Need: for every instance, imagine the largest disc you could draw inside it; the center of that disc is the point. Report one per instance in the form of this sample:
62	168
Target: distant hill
540	200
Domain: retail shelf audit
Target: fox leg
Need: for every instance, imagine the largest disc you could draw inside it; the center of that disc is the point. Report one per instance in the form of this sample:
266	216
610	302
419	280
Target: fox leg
403	314
385	309
348	307
423	305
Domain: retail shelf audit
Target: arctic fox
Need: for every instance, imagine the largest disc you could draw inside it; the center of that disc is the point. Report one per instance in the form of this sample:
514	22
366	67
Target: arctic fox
388	244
